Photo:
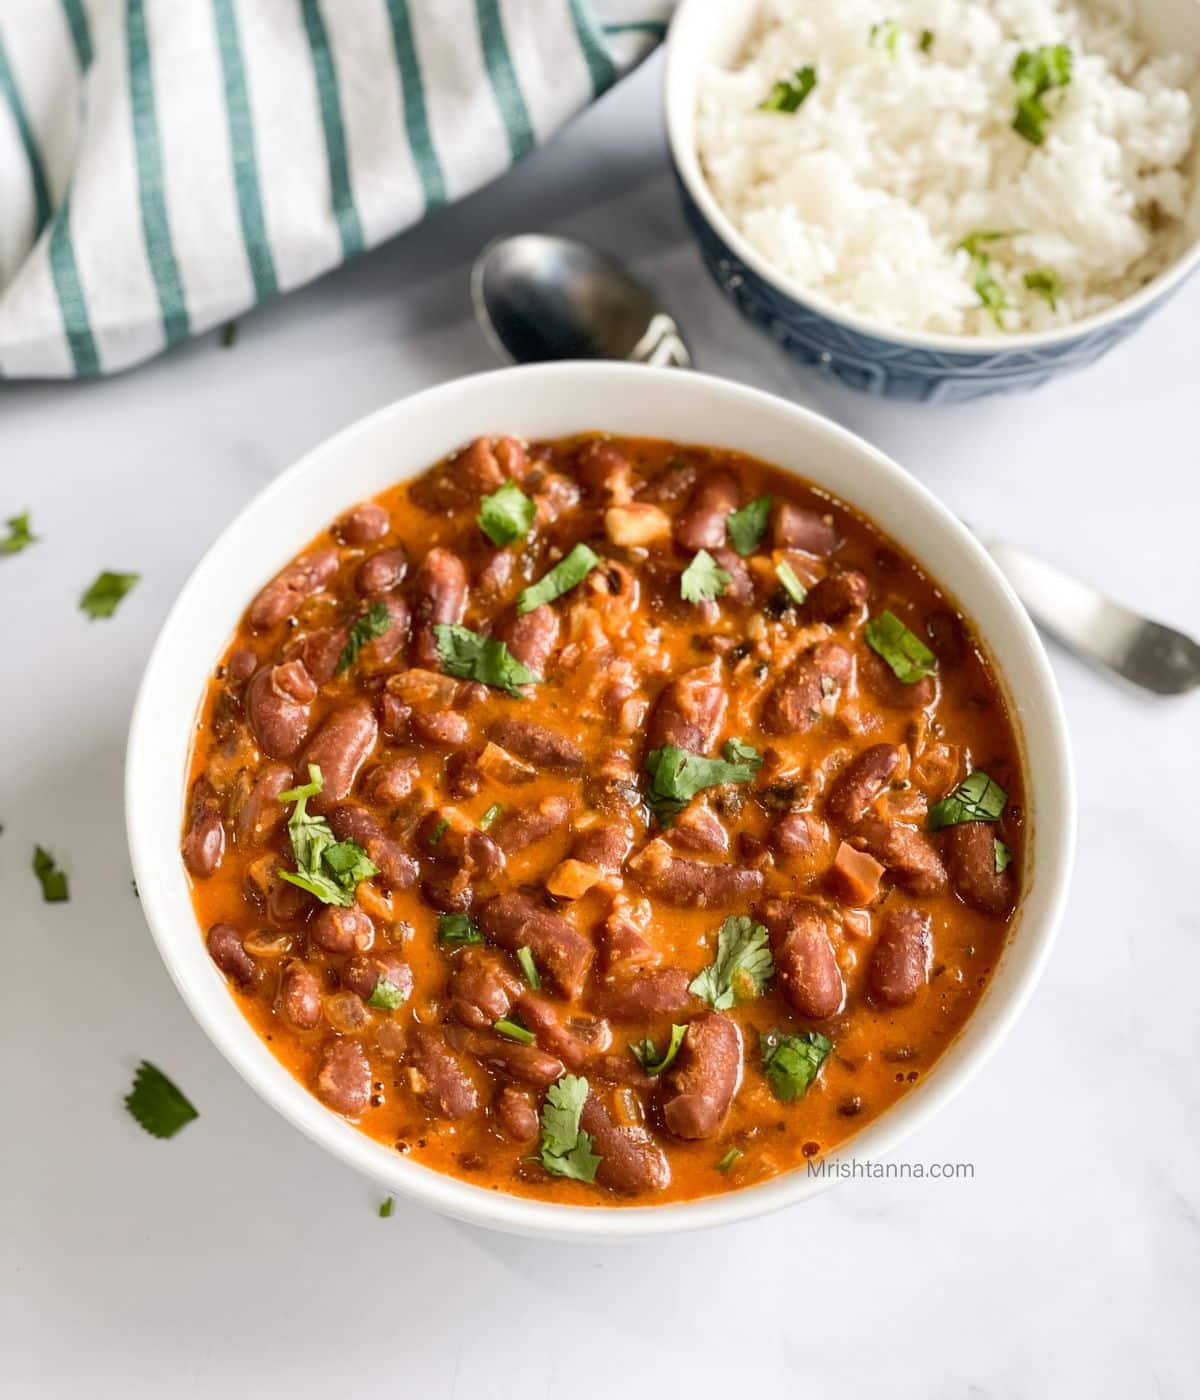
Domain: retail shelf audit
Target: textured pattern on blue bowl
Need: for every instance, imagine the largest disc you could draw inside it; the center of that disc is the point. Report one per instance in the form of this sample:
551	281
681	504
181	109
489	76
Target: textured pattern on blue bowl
890	368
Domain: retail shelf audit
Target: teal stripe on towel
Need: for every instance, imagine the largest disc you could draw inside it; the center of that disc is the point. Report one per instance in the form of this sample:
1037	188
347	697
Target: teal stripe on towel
503	76
70	293
37	171
416	119
245	159
156	227
344	210
81	32
601	69
656	28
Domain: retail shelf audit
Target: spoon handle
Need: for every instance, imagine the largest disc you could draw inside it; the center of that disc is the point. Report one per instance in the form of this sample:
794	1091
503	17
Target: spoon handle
1146	653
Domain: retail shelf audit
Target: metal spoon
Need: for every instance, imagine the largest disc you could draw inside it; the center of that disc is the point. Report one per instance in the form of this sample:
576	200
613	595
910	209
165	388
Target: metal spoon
539	297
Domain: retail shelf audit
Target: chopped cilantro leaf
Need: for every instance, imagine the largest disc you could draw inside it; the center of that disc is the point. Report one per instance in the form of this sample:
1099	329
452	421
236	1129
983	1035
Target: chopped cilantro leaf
1002	855
977	798
730	1159
703	581
1045	283
385	1207
106	592
927	38
742	967
561	578
566	1150
439	830
511	1030
907	655
387	996
676	775
746	526
1035	72
19	535
886	34
506	515
789	93
157	1104
973	242
529	968
791	1062
645	1052
792	586
470	657
457	928
373	623
325	867
490	816
54	881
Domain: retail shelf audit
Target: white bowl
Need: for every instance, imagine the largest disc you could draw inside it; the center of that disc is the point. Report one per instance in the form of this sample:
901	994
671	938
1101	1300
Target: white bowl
549	401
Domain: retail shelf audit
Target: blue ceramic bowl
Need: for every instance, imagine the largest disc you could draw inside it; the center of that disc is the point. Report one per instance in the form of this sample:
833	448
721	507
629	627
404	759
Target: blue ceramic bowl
878	360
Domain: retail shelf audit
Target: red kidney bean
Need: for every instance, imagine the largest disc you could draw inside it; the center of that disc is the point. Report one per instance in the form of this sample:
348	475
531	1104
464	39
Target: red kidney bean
344	1077
363	524
542	747
262	814
319	651
381	651
689	711
391	782
362	973
517	1114
533	636
806	970
449	838
604	471
204	841
698	828
353	823
797	528
901	958
631	1163
280	598
858	785
623	941
556	495
605	845
672	484
948	638
380	572
701	523
691	884
740	588
441	729
971	856
493	580
628	1000
699	1089
798	699
340	930
300	994
340	747
241	665
482	988
888	689
278	703
838	596
563	955
524	1063
443	1085
439	596
518	827
795	833
224	944
910	857
565	1041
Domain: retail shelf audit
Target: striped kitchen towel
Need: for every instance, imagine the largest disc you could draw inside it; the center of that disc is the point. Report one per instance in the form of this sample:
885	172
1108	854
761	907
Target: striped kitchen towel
165	164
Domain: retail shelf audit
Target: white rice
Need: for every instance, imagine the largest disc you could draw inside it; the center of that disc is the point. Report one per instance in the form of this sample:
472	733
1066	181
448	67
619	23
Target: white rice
898	154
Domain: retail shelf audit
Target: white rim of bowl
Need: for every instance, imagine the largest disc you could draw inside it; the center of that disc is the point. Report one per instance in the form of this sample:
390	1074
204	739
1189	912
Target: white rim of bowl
1054	815
680	94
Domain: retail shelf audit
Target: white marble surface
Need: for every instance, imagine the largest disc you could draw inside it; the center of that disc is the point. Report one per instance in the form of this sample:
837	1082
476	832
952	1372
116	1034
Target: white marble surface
239	1260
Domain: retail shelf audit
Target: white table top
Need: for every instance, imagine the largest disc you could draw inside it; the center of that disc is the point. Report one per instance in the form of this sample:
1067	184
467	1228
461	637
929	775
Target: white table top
238	1259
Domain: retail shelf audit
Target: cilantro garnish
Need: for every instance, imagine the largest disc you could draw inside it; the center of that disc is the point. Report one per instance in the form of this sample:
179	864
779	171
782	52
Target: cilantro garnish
561	578
791	1062
506	515
158	1104
54	880
19	535
490	816
789	93
1035	72
786	575
385	1207
1044	281
457	928
373	623
731	1157
326	867
746	526
102	597
742	967
645	1052
513	1030
566	1149
470	657
1001	854
529	968
926	42
887	34
907	655
977	798
703	580
387	996
676	775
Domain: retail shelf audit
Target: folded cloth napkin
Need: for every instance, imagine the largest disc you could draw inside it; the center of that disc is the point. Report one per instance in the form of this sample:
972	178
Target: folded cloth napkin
165	165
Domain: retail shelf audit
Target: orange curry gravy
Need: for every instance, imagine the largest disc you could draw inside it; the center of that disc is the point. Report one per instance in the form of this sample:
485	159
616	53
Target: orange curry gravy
883	933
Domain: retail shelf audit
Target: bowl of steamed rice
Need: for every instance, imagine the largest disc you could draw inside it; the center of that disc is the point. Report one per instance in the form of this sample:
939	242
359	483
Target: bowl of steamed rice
939	199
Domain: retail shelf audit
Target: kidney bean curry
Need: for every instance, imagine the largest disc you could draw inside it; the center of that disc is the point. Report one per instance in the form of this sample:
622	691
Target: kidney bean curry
605	820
